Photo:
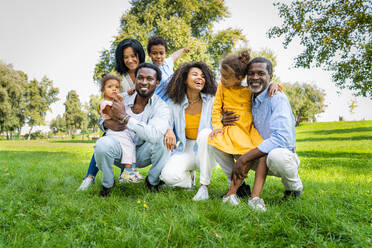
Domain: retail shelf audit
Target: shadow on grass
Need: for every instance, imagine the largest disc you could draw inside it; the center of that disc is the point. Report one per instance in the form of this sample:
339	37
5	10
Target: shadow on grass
318	154
335	139
339	131
73	141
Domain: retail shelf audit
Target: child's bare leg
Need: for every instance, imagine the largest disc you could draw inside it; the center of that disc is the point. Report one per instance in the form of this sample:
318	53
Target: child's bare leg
236	182
260	177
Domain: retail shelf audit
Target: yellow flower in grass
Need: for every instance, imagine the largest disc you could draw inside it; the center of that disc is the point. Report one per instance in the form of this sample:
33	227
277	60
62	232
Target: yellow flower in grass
145	205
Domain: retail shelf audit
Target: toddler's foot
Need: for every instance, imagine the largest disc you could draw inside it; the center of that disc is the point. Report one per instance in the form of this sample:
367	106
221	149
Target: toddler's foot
138	174
129	176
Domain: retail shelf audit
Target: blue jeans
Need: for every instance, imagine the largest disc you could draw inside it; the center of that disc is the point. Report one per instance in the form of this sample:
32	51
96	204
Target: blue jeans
92	170
107	152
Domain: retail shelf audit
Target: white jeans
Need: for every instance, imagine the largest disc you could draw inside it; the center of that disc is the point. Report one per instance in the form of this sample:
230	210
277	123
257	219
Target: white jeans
176	171
281	163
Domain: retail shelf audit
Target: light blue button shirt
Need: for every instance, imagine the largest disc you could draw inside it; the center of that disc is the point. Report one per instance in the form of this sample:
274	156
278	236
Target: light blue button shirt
154	121
274	120
166	73
177	121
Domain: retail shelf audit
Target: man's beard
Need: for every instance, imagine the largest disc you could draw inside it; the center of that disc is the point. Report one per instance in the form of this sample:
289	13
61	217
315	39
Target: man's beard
256	90
145	95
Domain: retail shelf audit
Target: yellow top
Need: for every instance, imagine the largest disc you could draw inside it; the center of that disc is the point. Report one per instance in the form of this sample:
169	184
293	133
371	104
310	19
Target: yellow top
242	137
192	126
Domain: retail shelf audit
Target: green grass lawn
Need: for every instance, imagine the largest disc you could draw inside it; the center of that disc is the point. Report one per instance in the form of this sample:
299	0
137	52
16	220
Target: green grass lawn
40	207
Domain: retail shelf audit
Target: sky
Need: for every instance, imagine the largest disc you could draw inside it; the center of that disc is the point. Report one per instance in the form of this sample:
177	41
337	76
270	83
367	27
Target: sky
63	40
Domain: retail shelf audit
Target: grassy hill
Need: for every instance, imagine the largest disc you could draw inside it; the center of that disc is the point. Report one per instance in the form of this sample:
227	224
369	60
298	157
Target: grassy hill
40	207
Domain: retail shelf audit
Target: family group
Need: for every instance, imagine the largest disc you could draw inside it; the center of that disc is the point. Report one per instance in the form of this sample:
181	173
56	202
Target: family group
181	121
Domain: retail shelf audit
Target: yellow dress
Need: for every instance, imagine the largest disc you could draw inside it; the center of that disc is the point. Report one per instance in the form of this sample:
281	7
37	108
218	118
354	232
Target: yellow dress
242	137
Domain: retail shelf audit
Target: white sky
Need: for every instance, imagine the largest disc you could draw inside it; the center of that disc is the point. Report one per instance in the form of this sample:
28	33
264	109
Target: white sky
63	40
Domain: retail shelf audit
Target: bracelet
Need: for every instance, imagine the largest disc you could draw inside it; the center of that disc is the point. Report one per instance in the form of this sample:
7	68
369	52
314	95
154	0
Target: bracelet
125	118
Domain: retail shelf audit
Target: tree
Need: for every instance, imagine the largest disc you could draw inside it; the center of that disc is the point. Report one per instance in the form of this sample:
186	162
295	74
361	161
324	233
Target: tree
38	98
11	98
73	115
58	124
336	35
92	111
181	23
306	100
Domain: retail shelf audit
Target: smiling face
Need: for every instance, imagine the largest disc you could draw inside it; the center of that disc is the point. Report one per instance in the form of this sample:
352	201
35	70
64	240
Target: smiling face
158	54
146	82
258	78
131	60
111	89
228	79
195	79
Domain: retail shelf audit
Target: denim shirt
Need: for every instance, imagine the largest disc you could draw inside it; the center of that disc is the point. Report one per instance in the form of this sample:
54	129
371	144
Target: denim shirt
273	119
166	74
177	121
155	119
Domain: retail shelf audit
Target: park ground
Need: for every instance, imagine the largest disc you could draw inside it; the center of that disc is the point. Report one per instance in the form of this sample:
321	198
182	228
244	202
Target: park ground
40	207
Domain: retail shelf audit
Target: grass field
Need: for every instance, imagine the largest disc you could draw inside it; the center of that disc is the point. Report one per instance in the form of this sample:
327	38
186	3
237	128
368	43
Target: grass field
40	207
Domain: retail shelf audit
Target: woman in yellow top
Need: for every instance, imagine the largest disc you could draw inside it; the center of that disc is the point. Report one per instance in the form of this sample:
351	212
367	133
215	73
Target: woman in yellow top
230	142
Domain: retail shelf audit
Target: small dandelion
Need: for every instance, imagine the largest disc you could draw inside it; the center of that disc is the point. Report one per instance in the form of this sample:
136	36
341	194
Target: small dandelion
145	205
138	201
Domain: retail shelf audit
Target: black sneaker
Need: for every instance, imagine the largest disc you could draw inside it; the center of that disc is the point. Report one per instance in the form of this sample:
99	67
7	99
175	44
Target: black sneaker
243	191
291	194
153	187
105	191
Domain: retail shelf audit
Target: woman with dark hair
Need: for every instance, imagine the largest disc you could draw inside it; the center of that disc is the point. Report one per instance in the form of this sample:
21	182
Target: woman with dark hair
191	92
128	55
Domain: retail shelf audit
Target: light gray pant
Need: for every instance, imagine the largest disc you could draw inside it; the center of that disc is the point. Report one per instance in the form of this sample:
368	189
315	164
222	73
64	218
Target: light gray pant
281	163
107	152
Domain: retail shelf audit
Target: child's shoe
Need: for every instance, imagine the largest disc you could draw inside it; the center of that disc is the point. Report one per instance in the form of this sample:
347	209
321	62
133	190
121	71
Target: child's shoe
129	176
138	174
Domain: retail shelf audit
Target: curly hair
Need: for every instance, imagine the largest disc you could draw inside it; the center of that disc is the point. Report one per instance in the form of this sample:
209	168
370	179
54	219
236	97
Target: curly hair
237	64
176	88
156	40
105	78
120	67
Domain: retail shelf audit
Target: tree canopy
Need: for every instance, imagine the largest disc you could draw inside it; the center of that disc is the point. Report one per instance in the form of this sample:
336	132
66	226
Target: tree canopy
74	115
336	35
181	23
306	100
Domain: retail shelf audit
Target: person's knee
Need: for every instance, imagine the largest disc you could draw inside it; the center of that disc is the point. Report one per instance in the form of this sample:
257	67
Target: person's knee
170	176
280	162
102	146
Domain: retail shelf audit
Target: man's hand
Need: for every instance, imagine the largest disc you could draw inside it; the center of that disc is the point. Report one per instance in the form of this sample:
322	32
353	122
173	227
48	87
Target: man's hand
215	132
239	171
170	140
114	125
117	109
229	119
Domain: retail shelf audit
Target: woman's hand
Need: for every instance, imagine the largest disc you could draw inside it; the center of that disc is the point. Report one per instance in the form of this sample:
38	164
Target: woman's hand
215	132
273	88
170	140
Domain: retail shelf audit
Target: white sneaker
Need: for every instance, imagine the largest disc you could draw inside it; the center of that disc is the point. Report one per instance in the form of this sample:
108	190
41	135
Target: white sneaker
232	199
202	194
87	182
257	204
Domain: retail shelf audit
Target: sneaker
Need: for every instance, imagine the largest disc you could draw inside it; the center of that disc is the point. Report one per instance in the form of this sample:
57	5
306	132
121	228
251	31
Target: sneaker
202	194
87	182
257	204
232	199
153	187
291	194
138	174
129	176
105	191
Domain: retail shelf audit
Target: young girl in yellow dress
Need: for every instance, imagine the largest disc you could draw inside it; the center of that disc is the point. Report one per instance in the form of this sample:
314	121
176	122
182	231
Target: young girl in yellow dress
230	142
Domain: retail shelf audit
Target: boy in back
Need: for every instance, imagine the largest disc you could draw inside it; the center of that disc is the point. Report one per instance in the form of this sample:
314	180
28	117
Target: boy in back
157	49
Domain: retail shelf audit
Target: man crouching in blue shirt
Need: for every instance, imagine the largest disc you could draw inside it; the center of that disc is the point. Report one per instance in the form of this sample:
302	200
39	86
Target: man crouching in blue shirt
273	119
